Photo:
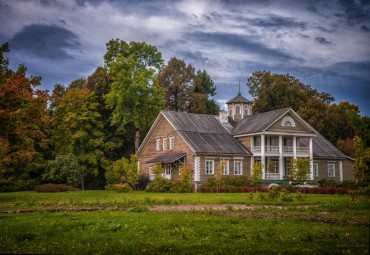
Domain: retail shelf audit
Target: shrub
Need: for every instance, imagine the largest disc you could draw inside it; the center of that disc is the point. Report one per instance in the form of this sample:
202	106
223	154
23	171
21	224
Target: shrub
51	188
160	184
285	195
300	196
273	193
121	188
64	169
143	182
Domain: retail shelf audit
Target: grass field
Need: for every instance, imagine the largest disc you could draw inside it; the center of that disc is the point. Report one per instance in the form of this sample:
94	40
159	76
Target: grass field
139	231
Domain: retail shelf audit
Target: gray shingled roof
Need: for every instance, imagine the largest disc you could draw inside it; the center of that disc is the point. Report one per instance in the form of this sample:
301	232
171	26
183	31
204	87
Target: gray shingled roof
204	133
166	158
257	122
238	99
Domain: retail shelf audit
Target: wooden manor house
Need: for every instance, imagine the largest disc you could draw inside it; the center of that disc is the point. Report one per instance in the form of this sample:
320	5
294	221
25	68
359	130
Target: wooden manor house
202	141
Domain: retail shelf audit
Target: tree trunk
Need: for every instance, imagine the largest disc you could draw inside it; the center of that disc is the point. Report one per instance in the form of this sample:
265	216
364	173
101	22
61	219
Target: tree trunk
137	140
82	181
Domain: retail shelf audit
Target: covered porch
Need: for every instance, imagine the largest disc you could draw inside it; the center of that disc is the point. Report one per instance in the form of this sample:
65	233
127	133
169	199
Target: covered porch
170	163
275	151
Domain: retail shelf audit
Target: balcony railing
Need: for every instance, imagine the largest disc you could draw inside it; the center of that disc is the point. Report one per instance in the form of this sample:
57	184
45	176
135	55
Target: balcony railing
272	148
272	176
303	150
286	149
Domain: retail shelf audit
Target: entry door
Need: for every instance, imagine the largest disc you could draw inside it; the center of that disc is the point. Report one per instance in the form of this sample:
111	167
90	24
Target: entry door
167	171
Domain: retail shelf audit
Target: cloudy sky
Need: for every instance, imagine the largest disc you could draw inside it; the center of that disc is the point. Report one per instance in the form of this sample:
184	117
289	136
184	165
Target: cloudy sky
323	43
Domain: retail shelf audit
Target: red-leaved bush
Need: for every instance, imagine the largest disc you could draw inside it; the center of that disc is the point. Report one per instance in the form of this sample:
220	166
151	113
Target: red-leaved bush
291	189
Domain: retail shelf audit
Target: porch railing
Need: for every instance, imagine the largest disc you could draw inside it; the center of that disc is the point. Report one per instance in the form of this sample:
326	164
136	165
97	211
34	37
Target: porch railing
303	149
288	149
272	176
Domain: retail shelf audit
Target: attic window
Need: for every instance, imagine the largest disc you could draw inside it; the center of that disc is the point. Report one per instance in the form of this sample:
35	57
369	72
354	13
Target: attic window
237	109
288	122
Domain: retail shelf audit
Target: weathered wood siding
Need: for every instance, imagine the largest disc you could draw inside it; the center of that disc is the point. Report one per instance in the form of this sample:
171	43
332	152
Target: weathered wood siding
164	129
323	169
217	159
246	141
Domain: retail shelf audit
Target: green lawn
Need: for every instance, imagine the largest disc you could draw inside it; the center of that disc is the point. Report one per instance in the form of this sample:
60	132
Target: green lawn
140	231
159	232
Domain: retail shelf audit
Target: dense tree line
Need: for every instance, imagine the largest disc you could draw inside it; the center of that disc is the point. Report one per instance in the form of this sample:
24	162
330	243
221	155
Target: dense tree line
95	121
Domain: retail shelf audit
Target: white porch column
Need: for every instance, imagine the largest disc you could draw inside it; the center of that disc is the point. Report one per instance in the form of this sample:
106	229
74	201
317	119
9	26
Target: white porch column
252	143
233	110
311	157
281	163
252	161
295	147
263	161
341	171
197	169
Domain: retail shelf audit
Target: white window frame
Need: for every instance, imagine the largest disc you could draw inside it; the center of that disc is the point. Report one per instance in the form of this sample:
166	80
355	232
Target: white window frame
164	143
151	174
167	170
172	142
226	167
212	166
331	164
236	109
276	139
315	169
236	161
258	141
158	144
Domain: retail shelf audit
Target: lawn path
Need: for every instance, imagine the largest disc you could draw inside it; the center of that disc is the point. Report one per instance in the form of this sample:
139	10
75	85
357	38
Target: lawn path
219	209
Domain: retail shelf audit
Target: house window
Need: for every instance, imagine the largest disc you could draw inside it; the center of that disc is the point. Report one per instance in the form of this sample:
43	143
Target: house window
209	166
151	174
158	144
246	110
288	142
315	169
331	170
237	109
274	166
172	142
230	111
238	167
257	141
167	171
225	169
274	141
164	143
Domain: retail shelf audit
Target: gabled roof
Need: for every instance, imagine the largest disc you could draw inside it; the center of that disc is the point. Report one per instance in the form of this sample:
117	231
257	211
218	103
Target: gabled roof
204	133
258	122
238	99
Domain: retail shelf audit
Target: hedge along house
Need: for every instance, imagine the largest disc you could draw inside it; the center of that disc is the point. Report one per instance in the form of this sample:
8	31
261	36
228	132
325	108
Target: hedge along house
202	141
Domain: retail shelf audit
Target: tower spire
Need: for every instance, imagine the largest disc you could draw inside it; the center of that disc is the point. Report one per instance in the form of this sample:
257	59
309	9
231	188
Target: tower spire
239	89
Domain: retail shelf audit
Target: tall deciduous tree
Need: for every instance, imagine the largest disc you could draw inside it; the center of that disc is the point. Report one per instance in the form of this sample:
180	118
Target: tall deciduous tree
361	168
78	130
24	123
276	91
177	79
135	96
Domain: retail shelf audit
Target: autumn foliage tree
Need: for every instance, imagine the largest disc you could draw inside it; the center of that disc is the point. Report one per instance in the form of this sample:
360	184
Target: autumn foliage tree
78	130
24	126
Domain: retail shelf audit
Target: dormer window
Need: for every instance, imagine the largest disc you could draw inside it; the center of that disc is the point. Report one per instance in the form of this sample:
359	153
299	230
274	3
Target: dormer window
237	109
